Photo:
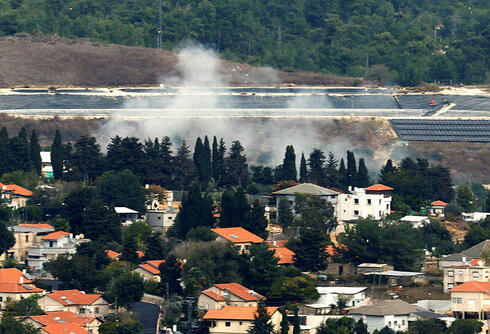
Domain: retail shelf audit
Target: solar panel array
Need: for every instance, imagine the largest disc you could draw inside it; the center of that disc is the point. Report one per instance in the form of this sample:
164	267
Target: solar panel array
442	130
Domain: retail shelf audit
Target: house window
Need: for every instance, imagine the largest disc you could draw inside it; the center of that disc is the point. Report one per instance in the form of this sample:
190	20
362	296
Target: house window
27	237
227	324
170	218
450	286
356	200
396	323
457	300
241	323
389	323
159	217
1	299
51	243
450	273
82	310
475	274
356	213
387	206
369	201
213	323
403	322
96	310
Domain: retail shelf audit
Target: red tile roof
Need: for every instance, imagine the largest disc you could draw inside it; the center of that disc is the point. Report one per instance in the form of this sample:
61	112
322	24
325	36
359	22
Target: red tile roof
59	317
149	268
140	254
277	243
18	190
438	203
475	262
155	263
237	235
18	288
55	235
240	291
378	187
36	225
13	275
111	254
472	286
286	256
235	313
213	295
75	297
59	328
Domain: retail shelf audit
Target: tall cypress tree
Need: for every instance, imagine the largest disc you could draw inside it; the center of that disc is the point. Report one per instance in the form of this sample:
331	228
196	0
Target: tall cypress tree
57	156
236	166
342	175
214	160
226	215
4	151
331	171
167	161
289	165
208	169
362	175
351	169
257	223
19	157
386	171
303	170
183	167
240	208
316	162
35	153
200	161
220	162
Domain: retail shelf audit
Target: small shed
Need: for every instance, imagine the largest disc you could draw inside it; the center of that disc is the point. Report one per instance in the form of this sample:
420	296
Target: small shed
403	278
126	215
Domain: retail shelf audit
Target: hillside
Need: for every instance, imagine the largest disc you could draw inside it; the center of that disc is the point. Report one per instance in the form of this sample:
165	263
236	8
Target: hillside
52	61
401	41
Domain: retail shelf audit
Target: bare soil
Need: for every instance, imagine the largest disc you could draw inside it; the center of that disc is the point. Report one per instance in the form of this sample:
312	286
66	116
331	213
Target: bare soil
30	61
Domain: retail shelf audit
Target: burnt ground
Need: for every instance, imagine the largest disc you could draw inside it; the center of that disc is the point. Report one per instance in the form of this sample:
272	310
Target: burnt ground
30	61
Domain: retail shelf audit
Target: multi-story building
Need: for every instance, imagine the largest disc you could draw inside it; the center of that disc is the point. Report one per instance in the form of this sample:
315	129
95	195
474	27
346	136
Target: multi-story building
472	300
14	196
75	301
475	270
26	235
239	319
51	246
364	202
234	294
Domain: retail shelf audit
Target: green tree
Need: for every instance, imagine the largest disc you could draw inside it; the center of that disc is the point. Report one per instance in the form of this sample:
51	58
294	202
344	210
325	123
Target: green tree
289	165
262	322
351	172
259	268
362	175
202	162
121	188
57	156
35	153
293	289
4	151
257	223
116	324
284	322
87	159
100	222
316	164
285	217
236	166
129	250
155	248
310	252
170	275
315	212
127	154
184	171
226	213
296	323
7	239
61	224
343	180
465	198
429	326
461	326
10	325
331	171
24	307
128	289
303	170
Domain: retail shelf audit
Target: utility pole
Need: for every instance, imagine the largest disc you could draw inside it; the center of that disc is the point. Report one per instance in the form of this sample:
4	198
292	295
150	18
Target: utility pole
279	37
159	41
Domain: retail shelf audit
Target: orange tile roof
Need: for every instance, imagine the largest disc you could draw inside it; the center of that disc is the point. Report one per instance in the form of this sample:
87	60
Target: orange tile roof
472	286
277	243
13	275
237	235
18	288
36	225
140	254
236	313
18	190
240	291
213	295
438	203
286	256
76	297
155	263
111	254
55	235
149	268
475	263
57	317
379	187
63	329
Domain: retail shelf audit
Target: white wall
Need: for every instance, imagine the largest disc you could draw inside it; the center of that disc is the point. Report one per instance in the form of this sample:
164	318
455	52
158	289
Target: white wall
361	205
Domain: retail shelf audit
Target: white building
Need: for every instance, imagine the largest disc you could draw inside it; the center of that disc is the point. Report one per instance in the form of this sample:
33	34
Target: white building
353	296
51	246
46	166
163	217
416	221
361	203
126	215
391	313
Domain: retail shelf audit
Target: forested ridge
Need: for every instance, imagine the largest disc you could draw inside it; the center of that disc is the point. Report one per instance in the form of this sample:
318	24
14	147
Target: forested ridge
402	41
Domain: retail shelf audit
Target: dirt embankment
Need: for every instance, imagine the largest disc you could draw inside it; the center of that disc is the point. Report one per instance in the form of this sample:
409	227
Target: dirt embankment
52	61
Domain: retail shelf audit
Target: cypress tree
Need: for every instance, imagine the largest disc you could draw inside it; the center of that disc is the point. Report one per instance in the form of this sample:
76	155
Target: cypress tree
208	169
129	250
331	171
200	161
285	217
220	161
183	167
342	175
57	156
289	172
4	151
284	322
35	153
303	170
257	223
316	163
226	214
167	161
240	208
296	324
351	169
214	160
236	166
19	157
262	323
362	175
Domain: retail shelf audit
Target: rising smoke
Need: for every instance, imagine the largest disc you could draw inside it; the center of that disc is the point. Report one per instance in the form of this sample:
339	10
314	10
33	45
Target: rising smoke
264	139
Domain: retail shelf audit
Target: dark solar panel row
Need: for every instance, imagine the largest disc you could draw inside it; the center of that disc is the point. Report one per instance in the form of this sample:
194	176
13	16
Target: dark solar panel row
442	130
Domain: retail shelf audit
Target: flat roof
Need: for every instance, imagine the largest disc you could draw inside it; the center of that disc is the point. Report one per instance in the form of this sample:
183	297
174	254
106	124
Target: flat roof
396	273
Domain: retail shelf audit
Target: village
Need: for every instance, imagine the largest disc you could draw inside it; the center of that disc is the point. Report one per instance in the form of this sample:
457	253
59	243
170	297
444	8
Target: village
279	254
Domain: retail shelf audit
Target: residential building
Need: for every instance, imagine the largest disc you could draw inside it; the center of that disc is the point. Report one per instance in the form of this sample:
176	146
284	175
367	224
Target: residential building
353	297
14	196
437	208
472	300
163	216
46	166
285	255
149	270
393	314
14	275
239	319
126	215
17	291
397	278
373	267
75	301
473	217
114	256
416	221
361	203
238	236
475	270
25	235
90	324
52	245
62	328
220	295
461	259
